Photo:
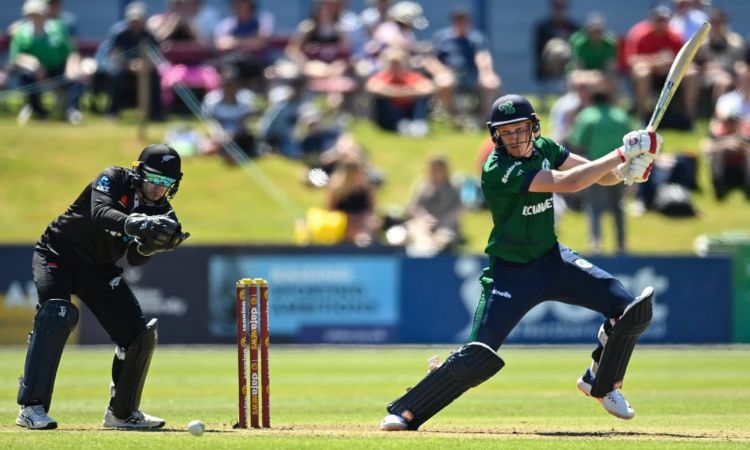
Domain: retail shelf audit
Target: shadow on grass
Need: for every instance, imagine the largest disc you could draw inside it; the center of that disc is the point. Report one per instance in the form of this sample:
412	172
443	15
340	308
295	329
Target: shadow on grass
153	430
584	434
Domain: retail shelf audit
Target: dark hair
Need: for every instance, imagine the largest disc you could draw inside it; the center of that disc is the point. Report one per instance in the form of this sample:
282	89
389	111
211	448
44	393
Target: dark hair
252	3
460	13
717	13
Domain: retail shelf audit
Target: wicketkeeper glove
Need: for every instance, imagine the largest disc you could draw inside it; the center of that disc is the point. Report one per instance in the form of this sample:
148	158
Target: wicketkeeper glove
152	231
150	249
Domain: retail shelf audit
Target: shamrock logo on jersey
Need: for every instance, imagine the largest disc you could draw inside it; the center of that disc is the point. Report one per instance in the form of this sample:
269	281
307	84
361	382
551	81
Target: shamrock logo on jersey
506	107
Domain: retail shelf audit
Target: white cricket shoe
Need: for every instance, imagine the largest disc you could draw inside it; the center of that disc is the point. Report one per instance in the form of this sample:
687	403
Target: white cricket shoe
137	420
392	422
614	402
34	417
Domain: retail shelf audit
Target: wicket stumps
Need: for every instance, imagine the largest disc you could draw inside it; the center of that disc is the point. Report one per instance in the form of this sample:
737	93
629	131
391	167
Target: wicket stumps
252	332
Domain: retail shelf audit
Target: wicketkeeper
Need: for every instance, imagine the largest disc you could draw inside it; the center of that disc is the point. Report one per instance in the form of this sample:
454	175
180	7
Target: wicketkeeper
528	265
122	212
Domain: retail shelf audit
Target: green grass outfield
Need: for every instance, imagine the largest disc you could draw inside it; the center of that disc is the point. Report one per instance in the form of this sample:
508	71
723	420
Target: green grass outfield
334	398
44	166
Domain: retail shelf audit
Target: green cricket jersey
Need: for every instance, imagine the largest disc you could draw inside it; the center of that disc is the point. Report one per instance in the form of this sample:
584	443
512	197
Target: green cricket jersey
51	48
524	222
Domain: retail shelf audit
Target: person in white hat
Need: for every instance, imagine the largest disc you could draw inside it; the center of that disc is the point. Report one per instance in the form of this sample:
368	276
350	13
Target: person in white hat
41	51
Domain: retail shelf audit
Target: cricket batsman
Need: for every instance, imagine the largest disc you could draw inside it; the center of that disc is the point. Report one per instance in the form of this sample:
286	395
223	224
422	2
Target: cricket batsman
122	212
528	265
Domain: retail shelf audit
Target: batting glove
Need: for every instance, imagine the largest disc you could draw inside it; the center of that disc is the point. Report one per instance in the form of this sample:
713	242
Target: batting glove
639	142
639	169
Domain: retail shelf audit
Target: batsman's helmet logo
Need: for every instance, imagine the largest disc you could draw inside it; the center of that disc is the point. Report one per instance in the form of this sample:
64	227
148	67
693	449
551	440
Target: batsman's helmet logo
512	109
506	107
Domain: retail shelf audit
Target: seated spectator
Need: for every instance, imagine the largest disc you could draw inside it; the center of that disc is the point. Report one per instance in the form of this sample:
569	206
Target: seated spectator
463	50
434	211
292	124
374	15
728	147
720	52
86	66
400	96
728	154
345	149
276	126
316	136
351	25
128	57
404	17
42	52
205	18
105	67
650	48
179	41
551	36
230	107
351	192
246	29
319	45
175	24
594	47
688	18
365	61
243	39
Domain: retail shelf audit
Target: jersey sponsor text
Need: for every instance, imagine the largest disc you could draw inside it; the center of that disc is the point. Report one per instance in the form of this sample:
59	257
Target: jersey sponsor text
509	171
530	210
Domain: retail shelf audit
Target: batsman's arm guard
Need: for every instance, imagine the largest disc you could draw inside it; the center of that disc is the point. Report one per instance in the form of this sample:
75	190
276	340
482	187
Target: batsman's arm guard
619	343
467	367
128	383
53	323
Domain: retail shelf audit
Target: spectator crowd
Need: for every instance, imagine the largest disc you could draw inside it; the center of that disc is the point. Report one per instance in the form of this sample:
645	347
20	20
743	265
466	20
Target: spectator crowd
262	92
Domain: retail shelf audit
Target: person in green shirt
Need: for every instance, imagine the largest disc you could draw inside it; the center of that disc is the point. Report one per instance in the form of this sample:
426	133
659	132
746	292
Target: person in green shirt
596	132
593	47
528	265
44	57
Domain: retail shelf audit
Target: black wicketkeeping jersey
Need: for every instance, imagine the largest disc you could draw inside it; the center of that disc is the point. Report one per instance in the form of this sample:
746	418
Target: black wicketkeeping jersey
91	233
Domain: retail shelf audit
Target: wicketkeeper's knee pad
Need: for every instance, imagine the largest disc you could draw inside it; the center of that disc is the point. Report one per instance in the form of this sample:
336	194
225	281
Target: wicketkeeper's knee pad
128	384
467	367
53	323
619	342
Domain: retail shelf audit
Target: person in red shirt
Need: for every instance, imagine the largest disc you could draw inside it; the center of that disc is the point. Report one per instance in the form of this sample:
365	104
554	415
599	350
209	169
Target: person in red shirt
400	95
650	48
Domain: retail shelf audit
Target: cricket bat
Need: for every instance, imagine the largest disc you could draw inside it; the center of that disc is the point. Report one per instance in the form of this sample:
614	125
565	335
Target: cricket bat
676	72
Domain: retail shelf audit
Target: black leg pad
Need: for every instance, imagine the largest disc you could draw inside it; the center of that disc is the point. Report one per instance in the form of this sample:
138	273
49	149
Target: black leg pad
128	386
618	348
467	367
53	323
